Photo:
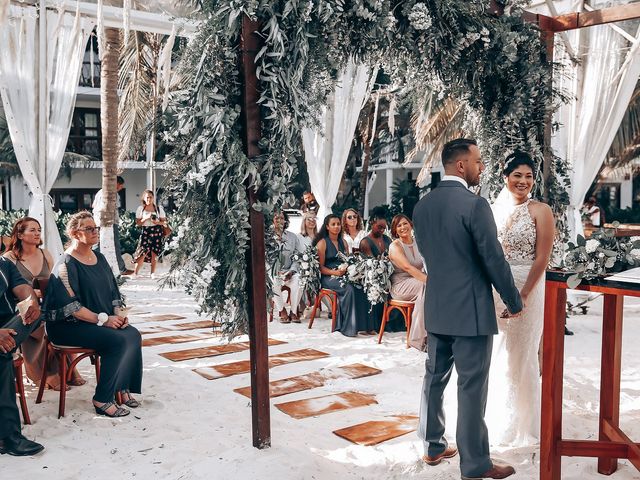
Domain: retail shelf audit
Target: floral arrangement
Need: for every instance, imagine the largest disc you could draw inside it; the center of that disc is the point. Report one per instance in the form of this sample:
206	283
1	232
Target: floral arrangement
601	254
308	270
494	66
377	278
353	265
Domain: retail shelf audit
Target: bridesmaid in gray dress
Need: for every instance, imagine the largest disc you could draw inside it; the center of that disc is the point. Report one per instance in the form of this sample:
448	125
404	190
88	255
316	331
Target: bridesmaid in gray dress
409	279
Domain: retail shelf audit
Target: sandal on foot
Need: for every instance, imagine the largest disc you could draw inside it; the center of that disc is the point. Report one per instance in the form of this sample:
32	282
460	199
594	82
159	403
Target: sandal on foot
130	402
120	412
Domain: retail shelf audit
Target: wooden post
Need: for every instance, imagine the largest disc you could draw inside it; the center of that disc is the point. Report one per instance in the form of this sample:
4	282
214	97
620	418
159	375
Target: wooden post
610	374
256	267
552	378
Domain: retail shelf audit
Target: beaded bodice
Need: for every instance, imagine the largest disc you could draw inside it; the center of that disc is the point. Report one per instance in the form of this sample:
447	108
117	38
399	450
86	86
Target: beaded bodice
517	233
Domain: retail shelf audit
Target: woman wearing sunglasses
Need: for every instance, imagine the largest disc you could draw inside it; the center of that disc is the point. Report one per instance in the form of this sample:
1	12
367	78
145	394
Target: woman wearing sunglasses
82	307
353	229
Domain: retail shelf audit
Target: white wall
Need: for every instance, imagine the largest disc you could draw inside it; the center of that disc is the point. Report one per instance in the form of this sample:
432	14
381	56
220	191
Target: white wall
378	194
626	193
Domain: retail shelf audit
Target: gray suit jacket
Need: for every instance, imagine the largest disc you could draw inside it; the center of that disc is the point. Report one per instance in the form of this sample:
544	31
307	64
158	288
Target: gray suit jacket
457	237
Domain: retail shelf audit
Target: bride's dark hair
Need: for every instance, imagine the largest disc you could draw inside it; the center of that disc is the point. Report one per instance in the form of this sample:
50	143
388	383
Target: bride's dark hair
516	159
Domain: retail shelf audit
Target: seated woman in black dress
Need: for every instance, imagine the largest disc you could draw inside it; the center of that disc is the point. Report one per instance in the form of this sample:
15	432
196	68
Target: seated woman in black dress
353	306
81	309
376	242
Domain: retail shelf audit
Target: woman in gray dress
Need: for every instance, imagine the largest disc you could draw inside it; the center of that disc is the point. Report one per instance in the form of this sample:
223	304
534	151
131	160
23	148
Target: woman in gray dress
353	306
409	278
83	307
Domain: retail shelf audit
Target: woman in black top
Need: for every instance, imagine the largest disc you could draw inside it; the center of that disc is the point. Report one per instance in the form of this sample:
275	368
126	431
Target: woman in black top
82	308
353	306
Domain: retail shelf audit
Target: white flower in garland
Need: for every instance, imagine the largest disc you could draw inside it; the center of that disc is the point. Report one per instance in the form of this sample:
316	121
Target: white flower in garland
635	253
592	245
419	17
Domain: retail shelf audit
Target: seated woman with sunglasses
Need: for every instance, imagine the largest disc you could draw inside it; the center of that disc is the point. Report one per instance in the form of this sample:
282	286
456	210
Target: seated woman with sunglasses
353	229
34	264
82	308
353	306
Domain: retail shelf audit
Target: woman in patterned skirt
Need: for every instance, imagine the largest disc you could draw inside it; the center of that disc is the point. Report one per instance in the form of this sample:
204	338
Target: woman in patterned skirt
152	219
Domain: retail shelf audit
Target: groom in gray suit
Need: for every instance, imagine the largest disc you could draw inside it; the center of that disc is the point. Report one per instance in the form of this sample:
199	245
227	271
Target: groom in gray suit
457	237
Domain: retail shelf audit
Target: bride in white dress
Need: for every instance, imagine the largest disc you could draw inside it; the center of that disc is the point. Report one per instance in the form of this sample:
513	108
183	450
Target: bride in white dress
526	230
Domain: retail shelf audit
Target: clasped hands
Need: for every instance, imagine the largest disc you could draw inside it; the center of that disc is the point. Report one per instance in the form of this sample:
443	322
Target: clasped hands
506	314
30	315
116	322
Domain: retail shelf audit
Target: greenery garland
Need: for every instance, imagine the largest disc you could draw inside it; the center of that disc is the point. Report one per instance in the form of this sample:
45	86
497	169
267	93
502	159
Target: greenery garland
494	65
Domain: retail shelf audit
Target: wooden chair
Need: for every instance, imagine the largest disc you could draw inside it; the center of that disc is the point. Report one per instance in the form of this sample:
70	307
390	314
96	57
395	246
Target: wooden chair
18	362
66	365
333	298
405	308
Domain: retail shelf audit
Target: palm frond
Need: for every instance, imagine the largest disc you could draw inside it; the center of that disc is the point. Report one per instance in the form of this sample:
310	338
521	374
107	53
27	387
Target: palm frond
138	71
436	124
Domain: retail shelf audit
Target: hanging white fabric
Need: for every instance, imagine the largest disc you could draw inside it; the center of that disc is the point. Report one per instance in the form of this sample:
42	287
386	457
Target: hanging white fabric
326	150
602	85
67	36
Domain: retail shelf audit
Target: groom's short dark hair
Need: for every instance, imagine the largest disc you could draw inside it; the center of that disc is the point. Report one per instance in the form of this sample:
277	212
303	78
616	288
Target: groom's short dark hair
452	149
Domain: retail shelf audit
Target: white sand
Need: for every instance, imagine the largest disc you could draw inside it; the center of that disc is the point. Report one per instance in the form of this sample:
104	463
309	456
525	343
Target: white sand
192	428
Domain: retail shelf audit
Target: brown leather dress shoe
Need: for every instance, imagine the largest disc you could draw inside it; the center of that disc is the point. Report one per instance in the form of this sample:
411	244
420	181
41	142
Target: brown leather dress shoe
497	471
436	459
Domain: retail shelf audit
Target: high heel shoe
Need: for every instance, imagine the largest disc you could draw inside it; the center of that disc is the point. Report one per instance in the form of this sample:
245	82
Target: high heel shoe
130	401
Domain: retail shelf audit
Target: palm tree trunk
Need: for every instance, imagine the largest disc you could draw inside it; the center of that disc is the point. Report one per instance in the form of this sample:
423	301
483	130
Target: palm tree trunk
110	144
366	135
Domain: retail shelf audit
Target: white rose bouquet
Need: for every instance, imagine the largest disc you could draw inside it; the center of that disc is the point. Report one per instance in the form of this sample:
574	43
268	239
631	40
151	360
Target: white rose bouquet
353	265
308	270
377	278
603	253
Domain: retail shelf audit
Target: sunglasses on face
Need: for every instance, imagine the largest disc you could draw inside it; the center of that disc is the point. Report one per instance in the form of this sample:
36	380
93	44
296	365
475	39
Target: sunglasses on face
89	229
351	217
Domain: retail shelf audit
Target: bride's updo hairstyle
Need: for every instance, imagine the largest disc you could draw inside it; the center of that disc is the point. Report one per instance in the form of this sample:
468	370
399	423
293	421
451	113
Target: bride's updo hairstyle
516	159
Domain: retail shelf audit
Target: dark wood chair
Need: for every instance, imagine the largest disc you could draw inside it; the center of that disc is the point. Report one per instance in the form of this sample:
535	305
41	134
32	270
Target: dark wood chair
405	308
18	362
68	358
333	298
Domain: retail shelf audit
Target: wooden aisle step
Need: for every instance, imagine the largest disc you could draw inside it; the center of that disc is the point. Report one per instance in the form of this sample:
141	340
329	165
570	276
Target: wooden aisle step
179	327
312	407
152	342
211	351
160	318
378	431
299	383
243	366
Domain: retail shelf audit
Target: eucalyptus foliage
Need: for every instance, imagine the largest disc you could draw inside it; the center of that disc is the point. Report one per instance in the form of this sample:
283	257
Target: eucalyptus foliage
494	66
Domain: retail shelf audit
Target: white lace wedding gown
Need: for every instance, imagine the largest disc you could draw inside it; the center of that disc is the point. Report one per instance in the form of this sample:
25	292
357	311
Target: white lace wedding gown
513	409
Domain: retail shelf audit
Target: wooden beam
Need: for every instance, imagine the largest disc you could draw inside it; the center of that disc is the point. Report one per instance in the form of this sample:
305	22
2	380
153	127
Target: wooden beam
250	43
618	13
591	448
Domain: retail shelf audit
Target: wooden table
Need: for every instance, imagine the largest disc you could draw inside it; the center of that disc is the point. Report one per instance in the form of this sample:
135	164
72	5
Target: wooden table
612	442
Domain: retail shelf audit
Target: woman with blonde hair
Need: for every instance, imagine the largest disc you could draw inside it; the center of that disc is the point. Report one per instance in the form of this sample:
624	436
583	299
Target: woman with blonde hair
83	307
34	264
353	229
308	229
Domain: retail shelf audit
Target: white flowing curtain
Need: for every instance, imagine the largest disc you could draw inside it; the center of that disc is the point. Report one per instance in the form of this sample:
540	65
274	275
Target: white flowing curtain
67	36
601	84
326	150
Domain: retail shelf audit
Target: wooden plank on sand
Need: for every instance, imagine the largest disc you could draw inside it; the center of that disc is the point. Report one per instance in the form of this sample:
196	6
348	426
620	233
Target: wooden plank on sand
378	431
244	366
179	327
161	318
152	342
312	407
211	351
277	388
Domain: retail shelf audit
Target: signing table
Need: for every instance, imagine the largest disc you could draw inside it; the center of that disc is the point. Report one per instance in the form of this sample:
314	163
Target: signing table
612	442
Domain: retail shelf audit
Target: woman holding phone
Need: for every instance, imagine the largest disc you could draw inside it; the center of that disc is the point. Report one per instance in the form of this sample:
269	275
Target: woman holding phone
152	219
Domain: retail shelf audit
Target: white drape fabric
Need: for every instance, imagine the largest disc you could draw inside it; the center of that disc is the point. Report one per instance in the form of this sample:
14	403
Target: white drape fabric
326	150
67	36
601	84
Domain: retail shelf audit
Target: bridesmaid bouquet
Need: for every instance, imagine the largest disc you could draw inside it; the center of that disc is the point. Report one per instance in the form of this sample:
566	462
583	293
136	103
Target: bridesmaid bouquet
377	278
355	273
601	254
308	270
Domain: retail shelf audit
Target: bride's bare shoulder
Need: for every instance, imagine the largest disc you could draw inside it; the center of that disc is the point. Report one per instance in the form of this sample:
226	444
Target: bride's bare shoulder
540	209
